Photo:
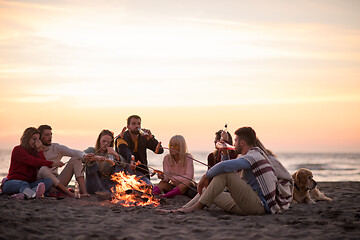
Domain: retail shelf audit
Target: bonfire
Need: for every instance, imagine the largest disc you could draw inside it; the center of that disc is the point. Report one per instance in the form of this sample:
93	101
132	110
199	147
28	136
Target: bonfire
130	191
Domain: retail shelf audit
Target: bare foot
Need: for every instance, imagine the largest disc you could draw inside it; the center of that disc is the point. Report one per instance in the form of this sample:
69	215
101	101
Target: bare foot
166	210
102	194
84	195
197	206
70	194
184	210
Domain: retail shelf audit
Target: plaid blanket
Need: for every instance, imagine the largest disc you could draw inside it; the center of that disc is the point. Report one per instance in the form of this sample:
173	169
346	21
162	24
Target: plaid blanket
275	185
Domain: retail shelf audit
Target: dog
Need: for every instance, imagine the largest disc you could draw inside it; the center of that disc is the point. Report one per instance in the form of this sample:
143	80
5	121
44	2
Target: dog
305	189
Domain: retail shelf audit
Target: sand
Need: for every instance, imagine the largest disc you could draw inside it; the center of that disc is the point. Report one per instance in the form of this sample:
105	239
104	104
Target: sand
96	218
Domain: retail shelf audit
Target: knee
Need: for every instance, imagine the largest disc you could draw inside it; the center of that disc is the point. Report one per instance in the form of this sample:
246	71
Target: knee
45	171
73	161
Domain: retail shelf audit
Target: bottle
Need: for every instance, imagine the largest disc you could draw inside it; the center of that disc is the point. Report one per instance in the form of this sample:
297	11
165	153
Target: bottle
142	133
225	130
77	190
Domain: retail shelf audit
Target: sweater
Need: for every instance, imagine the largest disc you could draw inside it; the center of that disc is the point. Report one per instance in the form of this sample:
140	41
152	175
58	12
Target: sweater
175	172
55	152
25	164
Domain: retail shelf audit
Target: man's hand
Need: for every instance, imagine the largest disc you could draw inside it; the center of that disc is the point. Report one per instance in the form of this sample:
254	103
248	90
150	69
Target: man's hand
57	164
132	165
149	136
203	183
157	148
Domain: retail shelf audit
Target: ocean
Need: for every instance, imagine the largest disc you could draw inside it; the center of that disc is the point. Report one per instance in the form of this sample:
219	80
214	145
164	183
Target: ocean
326	167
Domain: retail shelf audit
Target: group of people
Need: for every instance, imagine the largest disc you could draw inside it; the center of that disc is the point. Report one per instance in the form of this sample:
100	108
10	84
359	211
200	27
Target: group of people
245	180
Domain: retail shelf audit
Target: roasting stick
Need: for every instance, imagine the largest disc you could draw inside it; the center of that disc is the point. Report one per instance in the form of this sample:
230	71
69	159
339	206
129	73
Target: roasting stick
168	174
189	157
107	160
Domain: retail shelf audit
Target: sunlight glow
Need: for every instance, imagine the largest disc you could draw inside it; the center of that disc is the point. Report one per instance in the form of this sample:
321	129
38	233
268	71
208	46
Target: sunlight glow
193	67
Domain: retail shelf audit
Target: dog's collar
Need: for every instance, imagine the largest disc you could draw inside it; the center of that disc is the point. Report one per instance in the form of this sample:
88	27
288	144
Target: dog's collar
296	186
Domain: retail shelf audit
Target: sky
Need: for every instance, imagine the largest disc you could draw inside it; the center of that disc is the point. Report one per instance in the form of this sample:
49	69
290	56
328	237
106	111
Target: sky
289	69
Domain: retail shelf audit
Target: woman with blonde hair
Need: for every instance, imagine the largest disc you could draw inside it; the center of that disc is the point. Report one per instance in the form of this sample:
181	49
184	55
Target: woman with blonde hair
178	170
26	159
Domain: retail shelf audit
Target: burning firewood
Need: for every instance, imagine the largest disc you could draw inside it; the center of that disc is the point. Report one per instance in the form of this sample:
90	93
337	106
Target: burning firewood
130	191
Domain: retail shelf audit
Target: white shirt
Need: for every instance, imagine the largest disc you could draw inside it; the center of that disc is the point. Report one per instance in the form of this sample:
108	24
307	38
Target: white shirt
55	152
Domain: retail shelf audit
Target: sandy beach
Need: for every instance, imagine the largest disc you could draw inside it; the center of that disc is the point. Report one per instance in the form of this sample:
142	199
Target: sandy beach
96	218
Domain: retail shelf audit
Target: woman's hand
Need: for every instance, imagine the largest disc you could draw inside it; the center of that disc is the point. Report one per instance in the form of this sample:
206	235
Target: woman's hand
38	145
224	152
57	164
161	176
113	152
99	158
88	157
224	136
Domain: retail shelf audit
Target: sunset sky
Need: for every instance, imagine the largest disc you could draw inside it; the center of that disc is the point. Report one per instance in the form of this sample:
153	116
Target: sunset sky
289	69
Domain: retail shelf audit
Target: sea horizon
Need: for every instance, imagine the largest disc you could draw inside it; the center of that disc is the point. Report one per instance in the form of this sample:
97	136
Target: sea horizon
326	166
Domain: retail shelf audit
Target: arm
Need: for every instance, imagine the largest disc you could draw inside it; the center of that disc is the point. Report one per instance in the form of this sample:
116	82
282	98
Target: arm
22	156
189	169
65	151
166	168
152	143
210	160
123	149
228	166
189	173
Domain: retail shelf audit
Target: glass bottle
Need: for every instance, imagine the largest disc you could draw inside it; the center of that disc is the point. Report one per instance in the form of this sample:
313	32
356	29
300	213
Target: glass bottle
77	190
142	132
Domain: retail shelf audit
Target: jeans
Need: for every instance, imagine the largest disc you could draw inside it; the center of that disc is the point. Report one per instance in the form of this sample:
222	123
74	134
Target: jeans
18	186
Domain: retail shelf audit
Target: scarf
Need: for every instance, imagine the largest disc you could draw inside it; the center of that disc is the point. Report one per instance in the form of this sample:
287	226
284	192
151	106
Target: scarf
277	190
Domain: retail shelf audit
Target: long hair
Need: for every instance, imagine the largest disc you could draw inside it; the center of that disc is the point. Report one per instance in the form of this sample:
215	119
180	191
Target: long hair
183	151
24	140
103	133
262	147
217	138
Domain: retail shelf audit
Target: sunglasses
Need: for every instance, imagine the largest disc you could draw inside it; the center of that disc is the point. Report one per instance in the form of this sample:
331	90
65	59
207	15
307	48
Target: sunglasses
174	146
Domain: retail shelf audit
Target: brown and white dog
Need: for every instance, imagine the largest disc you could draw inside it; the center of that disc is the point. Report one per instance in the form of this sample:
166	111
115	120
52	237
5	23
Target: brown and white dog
304	186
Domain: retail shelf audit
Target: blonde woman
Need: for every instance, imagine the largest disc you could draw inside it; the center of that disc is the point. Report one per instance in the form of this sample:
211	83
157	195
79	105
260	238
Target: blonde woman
178	170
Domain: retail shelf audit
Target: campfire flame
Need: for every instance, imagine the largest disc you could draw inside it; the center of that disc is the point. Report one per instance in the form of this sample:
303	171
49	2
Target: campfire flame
130	191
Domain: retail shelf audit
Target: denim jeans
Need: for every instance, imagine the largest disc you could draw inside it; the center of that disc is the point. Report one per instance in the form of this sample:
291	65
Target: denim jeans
18	186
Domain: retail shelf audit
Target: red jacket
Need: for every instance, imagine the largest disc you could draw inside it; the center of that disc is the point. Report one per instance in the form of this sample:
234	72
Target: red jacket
25	165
